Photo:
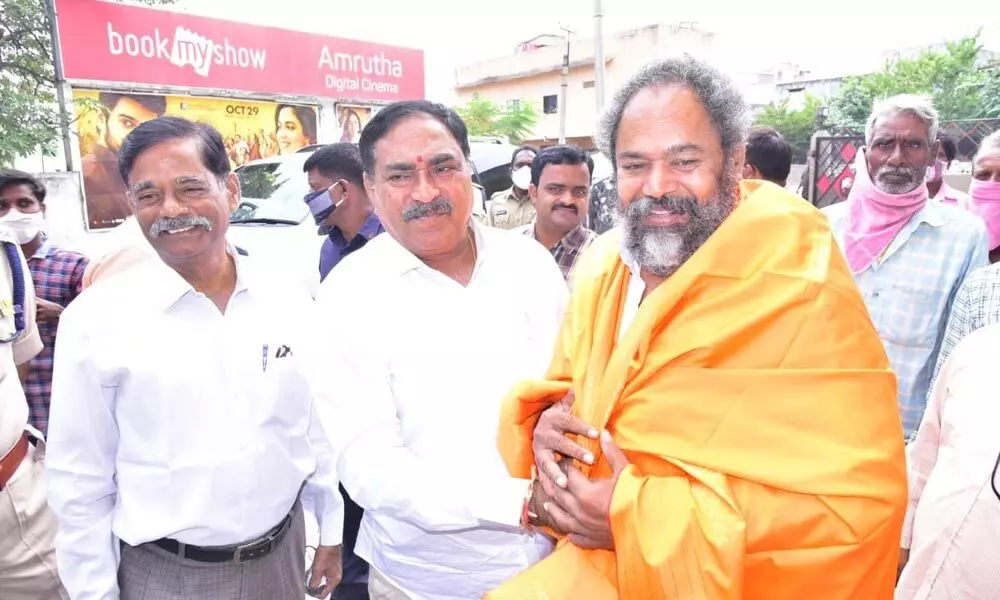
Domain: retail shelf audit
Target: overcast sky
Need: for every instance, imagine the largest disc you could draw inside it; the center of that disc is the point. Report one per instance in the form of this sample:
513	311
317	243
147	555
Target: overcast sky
840	37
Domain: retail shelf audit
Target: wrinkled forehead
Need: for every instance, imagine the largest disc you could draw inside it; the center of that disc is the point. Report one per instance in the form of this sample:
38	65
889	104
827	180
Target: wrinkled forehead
416	141
903	125
664	119
171	162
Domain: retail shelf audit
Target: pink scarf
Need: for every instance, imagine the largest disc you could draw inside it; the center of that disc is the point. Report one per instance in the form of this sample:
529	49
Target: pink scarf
874	218
984	201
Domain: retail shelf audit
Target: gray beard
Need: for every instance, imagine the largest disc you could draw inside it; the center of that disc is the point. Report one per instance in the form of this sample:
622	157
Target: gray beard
913	180
662	250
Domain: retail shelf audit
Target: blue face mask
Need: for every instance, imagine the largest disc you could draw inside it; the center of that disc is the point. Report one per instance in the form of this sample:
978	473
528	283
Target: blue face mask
321	203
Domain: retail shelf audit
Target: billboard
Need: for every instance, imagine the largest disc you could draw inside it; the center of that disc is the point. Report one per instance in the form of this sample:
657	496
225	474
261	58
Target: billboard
351	119
251	131
111	42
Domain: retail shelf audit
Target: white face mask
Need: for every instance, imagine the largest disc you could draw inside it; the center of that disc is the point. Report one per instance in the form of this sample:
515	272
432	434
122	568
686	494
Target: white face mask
521	178
25	226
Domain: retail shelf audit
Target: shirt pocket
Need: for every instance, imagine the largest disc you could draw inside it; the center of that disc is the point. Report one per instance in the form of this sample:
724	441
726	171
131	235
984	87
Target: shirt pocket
281	387
914	315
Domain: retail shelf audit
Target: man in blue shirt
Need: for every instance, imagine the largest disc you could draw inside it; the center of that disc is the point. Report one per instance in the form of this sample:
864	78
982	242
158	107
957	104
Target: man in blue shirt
340	205
338	202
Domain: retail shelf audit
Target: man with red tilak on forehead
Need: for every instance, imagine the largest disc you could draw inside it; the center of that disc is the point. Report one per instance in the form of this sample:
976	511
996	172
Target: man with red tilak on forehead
751	445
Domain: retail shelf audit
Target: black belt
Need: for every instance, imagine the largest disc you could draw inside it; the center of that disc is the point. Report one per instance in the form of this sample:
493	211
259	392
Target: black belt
241	553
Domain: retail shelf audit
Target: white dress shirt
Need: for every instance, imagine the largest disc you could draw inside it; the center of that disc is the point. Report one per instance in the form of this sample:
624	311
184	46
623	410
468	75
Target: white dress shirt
170	419
952	525
418	367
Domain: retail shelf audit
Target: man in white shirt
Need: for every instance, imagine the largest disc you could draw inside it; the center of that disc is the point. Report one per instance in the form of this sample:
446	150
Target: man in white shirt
27	526
951	535
182	423
416	371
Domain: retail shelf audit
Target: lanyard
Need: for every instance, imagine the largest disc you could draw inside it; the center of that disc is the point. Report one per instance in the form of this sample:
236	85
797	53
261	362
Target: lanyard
17	280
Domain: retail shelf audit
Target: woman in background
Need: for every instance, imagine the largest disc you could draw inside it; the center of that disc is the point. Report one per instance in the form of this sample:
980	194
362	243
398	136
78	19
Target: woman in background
295	127
350	125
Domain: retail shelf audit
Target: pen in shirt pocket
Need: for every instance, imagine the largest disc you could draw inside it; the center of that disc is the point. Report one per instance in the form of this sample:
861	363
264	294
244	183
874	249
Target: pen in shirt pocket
263	358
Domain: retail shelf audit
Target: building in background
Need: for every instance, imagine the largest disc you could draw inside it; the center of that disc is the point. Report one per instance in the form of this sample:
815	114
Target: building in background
533	73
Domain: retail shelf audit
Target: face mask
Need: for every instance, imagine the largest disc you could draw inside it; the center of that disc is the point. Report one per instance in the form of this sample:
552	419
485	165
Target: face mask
935	171
521	178
25	226
984	201
321	203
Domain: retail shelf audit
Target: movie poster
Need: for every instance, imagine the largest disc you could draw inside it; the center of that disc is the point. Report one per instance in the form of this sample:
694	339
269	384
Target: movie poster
251	130
351	119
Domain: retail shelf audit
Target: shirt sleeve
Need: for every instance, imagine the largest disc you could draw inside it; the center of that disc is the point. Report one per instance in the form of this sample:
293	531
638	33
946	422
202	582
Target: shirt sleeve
921	454
376	467
80	467
322	491
77	278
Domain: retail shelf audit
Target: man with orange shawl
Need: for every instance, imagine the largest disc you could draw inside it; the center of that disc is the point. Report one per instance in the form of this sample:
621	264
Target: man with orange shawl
752	446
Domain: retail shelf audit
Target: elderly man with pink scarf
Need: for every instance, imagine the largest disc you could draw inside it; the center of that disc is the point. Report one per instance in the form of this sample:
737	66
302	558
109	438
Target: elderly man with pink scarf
908	255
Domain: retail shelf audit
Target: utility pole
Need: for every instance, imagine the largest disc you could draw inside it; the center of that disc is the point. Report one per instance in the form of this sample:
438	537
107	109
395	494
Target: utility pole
599	56
60	83
565	89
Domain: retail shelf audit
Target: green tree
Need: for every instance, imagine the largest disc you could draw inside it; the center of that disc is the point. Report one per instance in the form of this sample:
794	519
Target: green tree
29	119
796	126
950	77
991	94
486	118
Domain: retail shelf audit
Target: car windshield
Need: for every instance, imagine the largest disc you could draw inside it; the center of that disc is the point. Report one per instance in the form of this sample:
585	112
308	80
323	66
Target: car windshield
272	191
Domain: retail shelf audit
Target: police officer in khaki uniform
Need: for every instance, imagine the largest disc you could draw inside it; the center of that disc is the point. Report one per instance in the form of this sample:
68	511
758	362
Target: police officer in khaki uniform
512	208
27	526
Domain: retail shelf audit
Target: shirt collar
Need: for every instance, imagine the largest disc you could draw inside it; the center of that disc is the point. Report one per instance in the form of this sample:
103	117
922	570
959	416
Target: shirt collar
46	248
403	261
574	239
371	228
167	287
931	214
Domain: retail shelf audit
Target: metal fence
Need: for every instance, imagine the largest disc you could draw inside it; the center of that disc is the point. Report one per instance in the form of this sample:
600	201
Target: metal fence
831	179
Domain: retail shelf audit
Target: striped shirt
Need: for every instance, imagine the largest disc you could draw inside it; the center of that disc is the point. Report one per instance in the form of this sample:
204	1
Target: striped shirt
58	278
909	292
976	305
567	250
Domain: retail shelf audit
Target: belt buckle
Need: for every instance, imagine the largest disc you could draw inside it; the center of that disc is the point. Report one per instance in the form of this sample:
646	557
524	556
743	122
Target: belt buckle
253	550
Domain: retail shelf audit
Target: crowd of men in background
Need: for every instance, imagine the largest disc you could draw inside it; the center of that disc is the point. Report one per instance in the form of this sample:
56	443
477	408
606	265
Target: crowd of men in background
735	372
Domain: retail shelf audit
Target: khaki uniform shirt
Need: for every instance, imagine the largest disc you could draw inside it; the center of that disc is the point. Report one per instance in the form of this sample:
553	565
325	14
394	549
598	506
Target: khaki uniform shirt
507	212
13	406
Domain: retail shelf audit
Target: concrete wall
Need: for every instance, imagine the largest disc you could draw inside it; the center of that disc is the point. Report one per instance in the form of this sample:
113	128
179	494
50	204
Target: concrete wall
64	209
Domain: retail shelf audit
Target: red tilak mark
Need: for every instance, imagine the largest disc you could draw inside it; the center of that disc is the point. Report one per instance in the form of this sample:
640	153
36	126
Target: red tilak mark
420	159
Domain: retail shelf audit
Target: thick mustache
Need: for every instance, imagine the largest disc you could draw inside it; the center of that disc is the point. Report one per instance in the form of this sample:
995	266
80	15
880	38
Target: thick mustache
167	224
571	207
419	210
679	205
897	171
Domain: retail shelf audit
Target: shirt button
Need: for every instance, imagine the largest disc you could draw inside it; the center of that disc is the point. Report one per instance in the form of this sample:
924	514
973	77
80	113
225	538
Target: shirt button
875	294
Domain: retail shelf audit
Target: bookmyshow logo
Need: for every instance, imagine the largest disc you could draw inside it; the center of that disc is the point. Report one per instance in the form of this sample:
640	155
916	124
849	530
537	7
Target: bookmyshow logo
186	48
